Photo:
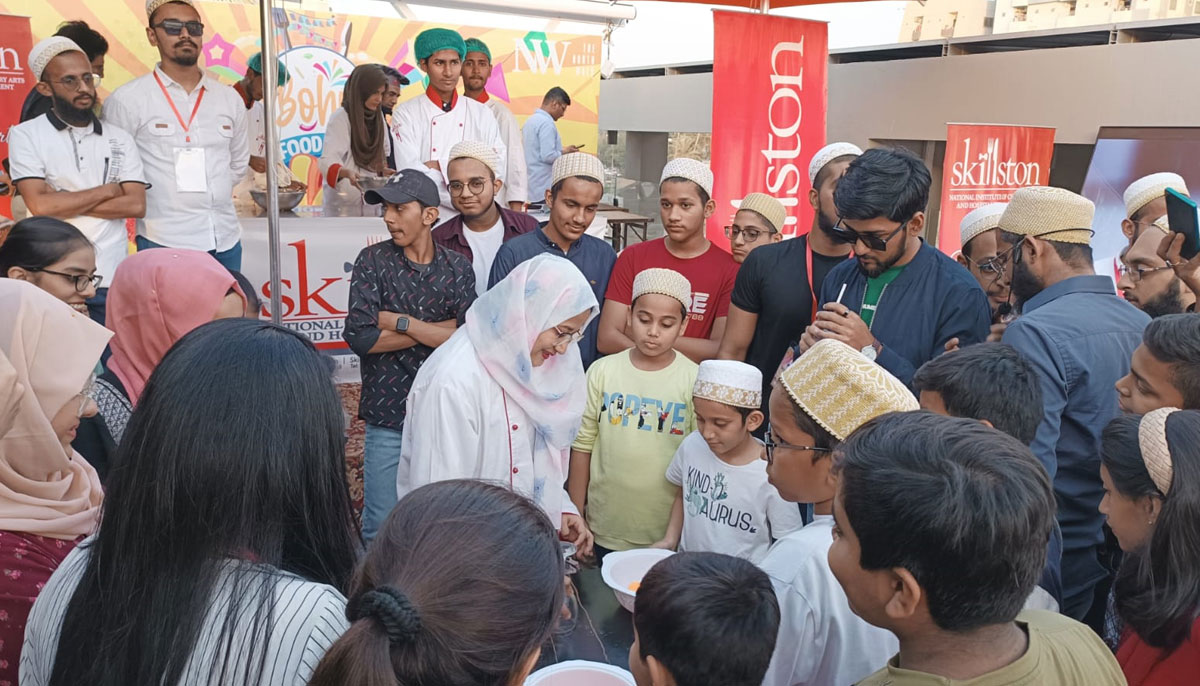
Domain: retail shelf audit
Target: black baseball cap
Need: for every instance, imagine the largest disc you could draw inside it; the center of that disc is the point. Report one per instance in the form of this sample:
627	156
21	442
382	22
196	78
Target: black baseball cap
404	186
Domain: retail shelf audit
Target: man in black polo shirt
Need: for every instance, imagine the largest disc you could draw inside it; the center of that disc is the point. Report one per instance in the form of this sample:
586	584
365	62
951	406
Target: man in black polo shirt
407	296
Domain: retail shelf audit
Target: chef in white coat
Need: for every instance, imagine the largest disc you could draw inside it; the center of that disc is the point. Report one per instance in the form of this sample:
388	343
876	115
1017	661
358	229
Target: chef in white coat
355	140
501	400
477	69
426	127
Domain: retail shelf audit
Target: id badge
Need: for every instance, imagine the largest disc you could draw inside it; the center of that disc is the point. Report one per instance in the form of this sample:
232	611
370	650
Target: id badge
190	172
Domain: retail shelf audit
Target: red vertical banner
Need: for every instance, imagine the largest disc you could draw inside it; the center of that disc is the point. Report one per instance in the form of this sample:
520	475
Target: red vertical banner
769	102
16	40
986	164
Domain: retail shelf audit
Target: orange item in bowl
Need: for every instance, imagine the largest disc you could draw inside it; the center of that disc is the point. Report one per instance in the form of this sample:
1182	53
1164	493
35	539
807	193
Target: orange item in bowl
634	586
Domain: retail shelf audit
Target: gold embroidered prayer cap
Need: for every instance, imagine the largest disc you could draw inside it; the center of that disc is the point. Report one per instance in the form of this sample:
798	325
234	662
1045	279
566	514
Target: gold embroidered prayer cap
771	209
841	389
729	382
152	5
692	170
1052	214
828	154
1150	188
477	151
664	282
981	219
46	50
582	164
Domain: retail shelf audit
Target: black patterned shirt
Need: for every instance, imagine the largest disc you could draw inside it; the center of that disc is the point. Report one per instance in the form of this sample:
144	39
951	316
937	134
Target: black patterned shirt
385	280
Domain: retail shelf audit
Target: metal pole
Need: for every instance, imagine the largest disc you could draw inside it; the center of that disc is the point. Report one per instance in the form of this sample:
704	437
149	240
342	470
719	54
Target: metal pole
270	91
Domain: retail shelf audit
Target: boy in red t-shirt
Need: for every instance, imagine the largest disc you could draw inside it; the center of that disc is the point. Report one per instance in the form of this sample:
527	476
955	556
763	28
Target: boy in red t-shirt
686	204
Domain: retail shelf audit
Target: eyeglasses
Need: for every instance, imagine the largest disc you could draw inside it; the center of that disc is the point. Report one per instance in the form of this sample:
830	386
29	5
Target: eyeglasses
774	444
82	281
174	27
86	395
74	83
568	336
748	235
873	242
476	186
993	265
1138	273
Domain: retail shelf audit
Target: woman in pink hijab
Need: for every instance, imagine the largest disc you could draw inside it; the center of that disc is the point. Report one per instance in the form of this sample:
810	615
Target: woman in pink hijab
155	298
49	495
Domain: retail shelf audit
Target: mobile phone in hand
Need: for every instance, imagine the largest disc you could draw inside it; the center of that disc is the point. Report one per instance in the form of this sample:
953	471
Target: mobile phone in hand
1183	218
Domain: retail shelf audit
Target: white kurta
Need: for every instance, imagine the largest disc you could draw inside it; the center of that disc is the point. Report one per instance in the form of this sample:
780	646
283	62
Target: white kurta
516	181
461	425
422	132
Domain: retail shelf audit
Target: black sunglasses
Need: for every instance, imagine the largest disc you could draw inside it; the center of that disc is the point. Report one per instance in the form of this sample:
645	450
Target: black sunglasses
850	236
174	27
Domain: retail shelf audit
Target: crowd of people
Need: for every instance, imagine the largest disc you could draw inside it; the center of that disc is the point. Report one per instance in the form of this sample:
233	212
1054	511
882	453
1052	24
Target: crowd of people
878	464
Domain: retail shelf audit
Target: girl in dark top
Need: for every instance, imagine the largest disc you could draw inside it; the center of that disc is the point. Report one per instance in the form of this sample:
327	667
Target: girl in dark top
462	585
54	256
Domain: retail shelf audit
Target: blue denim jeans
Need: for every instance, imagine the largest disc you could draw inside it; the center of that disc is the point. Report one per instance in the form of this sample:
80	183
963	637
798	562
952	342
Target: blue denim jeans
229	259
381	457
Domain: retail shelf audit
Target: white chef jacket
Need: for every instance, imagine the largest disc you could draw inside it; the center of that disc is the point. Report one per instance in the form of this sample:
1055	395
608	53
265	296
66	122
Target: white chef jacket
516	181
256	129
821	641
421	132
461	425
72	159
197	221
336	150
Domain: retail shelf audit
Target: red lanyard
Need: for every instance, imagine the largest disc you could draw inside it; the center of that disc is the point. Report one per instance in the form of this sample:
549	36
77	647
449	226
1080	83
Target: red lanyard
195	108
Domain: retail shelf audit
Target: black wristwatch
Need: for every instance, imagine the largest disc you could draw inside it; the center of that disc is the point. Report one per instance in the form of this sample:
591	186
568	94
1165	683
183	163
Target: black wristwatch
402	324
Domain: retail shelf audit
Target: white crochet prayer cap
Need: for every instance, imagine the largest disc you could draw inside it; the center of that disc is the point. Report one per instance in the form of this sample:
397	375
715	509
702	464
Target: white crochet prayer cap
664	282
981	219
477	151
692	170
729	382
577	164
771	209
1149	188
46	50
1053	214
828	154
152	5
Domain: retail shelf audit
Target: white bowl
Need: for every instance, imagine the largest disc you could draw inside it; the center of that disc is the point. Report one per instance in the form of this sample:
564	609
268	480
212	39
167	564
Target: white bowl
580	673
628	566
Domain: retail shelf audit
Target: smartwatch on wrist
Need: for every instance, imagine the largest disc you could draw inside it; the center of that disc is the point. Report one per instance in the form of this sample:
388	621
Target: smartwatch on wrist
402	324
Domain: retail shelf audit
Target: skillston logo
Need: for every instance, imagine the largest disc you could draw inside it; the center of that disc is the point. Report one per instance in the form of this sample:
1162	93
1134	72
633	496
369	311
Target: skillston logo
990	169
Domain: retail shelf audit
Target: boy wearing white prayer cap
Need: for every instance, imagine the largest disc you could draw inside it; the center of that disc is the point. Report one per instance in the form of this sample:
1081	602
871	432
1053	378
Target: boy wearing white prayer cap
1146	200
724	502
639	408
685	205
979	254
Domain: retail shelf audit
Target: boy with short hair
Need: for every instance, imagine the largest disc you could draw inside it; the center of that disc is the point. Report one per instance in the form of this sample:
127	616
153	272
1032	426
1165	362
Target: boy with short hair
1165	368
993	384
729	506
948	569
685	205
639	408
822	398
703	618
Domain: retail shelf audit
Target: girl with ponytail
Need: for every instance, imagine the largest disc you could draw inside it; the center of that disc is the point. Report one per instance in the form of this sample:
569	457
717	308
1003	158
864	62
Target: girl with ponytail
462	585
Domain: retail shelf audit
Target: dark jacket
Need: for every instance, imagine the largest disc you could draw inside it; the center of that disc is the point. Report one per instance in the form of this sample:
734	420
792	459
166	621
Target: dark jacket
449	234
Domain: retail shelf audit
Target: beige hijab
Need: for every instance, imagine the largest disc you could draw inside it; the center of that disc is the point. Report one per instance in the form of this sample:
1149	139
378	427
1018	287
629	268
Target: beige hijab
47	353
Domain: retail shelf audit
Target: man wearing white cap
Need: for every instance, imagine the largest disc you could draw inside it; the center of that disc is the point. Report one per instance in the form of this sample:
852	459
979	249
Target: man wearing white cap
1146	201
576	186
1148	281
685	205
191	131
978	254
483	223
68	165
1079	336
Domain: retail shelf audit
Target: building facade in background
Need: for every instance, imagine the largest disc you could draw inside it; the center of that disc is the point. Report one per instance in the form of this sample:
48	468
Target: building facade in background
941	19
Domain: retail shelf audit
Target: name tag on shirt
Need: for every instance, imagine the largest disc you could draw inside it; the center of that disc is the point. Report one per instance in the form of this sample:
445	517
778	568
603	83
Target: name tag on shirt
190	172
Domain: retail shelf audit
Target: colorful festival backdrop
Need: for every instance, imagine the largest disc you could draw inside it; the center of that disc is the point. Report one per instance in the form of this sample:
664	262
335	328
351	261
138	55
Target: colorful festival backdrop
321	49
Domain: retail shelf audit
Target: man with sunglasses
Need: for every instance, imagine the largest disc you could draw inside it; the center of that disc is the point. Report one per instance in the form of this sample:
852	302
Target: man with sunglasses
1079	336
899	301
482	224
191	131
68	165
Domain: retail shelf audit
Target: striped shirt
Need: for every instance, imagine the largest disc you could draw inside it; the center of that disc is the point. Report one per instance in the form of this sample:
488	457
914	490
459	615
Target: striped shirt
308	618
